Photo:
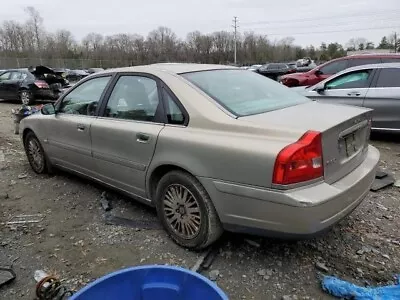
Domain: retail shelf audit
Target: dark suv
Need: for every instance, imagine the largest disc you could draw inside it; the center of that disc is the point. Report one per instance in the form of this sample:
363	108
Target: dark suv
332	67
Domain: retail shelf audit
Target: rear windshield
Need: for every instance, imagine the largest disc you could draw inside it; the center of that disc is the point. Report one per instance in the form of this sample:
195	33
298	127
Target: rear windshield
244	93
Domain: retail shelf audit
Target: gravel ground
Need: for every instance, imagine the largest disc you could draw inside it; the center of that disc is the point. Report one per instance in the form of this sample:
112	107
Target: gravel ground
74	241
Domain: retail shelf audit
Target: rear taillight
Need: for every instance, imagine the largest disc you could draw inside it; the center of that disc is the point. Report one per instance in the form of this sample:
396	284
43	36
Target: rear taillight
41	84
300	161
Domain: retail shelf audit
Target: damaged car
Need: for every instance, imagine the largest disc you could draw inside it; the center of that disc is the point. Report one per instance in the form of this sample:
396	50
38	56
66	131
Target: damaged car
211	147
31	84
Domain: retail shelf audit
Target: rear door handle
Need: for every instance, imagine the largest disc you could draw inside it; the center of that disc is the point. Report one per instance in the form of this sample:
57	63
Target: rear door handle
353	94
142	138
80	127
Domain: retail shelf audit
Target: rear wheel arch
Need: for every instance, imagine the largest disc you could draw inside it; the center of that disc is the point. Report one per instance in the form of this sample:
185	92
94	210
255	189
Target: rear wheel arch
25	132
159	173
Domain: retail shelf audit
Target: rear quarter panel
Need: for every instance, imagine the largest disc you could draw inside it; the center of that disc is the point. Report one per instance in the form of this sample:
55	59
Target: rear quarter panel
225	155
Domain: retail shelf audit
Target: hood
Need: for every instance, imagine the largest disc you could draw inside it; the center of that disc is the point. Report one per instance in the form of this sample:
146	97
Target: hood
299	74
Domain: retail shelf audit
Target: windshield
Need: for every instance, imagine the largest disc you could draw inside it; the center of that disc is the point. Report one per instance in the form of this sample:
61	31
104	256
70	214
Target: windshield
244	93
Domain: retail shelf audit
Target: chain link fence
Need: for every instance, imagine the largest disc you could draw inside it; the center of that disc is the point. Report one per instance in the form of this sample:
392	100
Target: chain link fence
17	62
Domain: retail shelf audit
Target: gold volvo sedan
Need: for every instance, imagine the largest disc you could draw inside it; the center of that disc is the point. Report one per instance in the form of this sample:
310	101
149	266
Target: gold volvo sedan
211	147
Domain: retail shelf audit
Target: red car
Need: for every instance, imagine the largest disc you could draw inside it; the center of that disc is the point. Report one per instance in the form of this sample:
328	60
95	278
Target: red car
332	67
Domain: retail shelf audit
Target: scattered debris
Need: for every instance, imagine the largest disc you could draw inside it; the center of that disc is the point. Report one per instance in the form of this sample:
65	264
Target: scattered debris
2	156
205	260
397	183
142	224
12	182
378	205
25	219
105	201
380	174
322	267
261	272
213	275
22	176
4	196
253	243
6	275
380	183
346	290
50	287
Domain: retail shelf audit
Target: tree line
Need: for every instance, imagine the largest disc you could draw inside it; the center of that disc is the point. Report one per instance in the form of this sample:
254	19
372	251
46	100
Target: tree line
30	39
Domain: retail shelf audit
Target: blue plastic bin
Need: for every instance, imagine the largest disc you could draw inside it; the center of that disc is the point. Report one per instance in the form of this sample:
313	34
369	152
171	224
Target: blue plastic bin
151	283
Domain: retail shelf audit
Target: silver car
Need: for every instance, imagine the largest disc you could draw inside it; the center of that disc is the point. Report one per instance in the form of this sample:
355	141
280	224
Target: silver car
211	147
373	86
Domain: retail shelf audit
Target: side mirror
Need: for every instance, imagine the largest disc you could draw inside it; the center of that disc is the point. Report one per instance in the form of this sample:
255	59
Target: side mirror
320	87
48	109
318	72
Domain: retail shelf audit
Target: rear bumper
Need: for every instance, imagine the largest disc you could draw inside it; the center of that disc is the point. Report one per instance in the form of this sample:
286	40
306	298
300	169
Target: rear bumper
298	212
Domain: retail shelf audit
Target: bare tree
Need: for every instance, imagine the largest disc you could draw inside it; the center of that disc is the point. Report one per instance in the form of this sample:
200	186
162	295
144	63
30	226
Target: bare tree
36	23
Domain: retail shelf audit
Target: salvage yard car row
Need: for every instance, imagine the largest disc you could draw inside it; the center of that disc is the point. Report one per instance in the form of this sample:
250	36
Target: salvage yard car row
38	83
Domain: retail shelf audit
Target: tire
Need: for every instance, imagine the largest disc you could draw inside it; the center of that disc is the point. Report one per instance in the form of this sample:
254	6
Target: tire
26	97
36	156
203	226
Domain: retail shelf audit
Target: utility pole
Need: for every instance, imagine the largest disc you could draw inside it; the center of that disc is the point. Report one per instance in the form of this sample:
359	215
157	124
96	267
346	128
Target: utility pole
235	26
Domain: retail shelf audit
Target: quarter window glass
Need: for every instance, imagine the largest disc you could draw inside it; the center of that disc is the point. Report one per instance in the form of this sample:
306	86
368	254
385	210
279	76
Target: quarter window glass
351	80
389	78
83	99
174	113
5	76
334	67
133	98
363	61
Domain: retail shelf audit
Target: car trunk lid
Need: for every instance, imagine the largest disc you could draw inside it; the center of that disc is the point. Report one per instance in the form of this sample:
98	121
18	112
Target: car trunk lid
345	132
54	79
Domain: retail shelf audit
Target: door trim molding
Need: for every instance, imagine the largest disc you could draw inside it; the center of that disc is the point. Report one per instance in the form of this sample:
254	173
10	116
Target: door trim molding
119	161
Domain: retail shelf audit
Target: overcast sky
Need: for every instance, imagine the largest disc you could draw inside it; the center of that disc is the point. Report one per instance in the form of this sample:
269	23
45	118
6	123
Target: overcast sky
309	22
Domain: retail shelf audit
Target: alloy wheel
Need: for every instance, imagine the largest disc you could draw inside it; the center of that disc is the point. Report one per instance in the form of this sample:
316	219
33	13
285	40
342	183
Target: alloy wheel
35	154
182	211
25	97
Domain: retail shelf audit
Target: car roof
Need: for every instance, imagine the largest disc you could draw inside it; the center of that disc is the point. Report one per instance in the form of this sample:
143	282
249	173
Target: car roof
172	68
372	66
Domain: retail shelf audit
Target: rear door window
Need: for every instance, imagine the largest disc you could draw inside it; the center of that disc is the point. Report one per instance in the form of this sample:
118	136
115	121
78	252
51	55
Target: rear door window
363	61
358	79
334	67
389	78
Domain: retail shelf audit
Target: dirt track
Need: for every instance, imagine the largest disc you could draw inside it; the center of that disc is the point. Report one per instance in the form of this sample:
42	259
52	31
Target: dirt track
74	241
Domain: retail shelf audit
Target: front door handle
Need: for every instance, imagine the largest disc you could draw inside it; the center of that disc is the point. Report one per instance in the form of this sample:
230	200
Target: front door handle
354	94
142	138
80	127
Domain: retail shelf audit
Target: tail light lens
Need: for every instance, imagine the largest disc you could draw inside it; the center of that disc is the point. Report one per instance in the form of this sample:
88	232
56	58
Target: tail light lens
300	161
41	84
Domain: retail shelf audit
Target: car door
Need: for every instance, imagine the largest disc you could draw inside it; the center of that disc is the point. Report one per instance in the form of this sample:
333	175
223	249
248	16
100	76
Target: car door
13	84
68	137
3	85
125	137
384	98
348	88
